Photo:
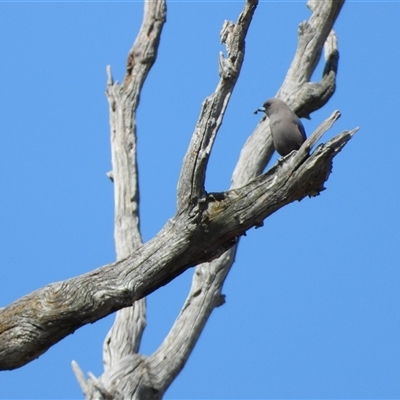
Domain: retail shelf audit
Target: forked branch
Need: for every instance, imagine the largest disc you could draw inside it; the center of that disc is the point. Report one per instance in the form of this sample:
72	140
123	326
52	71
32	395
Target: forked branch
216	220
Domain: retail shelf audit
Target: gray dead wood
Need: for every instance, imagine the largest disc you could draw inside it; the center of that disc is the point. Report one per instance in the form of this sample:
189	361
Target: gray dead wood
42	318
37	321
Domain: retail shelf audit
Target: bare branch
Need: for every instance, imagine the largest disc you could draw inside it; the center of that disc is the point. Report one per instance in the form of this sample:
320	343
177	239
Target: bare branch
216	220
208	279
37	321
206	291
124	337
80	377
310	142
312	37
296	90
123	101
192	177
314	95
205	294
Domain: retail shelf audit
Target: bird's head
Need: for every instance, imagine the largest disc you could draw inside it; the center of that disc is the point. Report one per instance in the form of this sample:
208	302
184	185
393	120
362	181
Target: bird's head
269	106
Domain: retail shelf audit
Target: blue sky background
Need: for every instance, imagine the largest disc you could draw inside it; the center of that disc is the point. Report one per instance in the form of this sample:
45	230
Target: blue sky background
313	301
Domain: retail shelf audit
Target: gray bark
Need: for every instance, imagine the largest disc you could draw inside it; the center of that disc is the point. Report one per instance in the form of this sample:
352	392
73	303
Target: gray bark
216	220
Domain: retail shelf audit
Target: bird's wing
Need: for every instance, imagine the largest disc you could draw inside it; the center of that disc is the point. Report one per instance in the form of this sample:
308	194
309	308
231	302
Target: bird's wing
301	127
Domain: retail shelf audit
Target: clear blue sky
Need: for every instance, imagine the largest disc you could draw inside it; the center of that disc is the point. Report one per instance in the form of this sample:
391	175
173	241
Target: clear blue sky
313	301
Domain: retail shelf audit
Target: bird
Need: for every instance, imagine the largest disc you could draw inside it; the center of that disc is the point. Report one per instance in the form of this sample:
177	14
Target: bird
287	130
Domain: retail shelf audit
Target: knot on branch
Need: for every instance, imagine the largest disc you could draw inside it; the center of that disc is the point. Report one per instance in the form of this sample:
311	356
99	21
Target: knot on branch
220	300
226	33
226	68
305	29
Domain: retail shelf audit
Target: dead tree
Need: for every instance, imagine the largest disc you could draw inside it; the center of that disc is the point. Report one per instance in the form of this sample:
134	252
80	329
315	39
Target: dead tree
205	231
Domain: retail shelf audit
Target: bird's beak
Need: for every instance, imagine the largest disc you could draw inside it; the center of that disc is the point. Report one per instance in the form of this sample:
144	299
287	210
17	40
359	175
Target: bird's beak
262	109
